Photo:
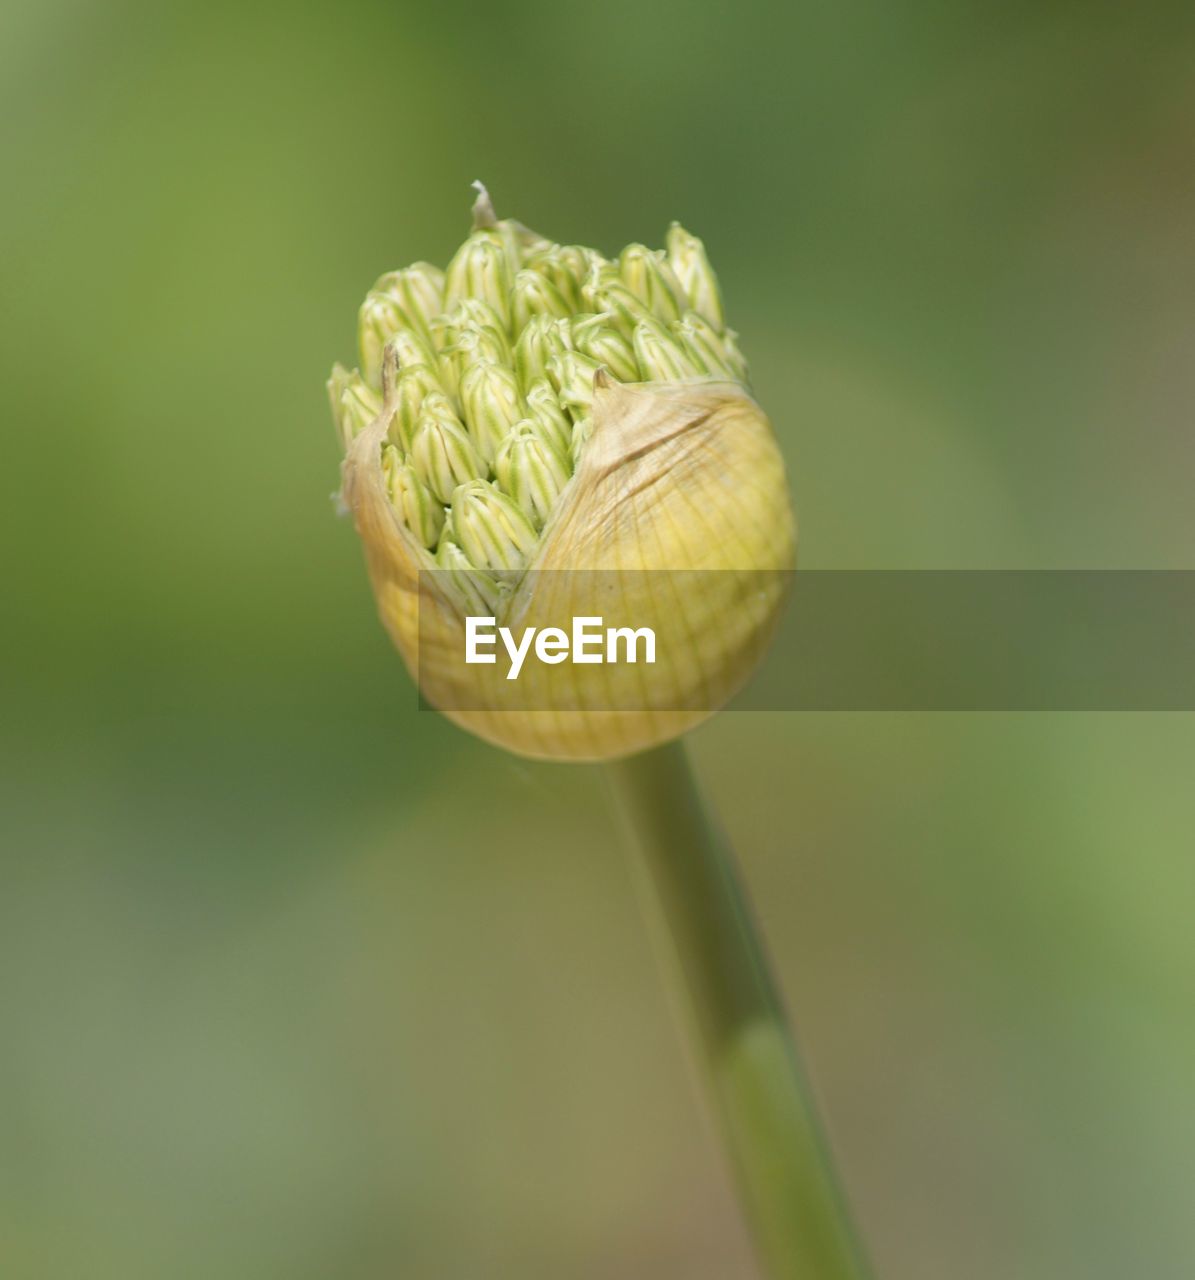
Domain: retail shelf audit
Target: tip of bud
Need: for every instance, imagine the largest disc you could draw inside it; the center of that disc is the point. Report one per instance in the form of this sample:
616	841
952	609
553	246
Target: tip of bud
483	207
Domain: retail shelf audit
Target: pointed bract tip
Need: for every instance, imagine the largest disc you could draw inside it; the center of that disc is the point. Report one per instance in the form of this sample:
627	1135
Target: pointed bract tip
483	207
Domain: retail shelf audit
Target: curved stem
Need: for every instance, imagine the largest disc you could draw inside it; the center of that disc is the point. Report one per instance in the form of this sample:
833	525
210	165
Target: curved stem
738	1029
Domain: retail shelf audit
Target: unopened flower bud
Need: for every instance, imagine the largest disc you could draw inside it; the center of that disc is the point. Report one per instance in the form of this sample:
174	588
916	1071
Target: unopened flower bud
354	405
649	277
572	375
671	469
661	357
543	405
419	292
687	257
493	531
492	404
424	516
443	454
705	345
480	270
534	294
608	347
531	470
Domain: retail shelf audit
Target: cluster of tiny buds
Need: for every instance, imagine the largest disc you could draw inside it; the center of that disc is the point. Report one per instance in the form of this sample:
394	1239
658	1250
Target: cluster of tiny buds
489	370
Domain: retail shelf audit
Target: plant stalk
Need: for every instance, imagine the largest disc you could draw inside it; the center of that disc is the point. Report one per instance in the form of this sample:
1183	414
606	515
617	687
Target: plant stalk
739	1034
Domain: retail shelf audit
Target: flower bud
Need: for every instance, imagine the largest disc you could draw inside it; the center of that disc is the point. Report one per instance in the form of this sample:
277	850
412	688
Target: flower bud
543	406
492	404
419	292
608	347
413	384
649	277
686	255
354	405
424	516
531	470
535	295
661	357
481	269
443	455
493	531
535	346
572	374
705	345
617	438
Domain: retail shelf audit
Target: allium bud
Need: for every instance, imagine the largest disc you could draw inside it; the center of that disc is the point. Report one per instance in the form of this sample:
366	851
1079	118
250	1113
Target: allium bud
423	515
531	469
492	404
608	431
419	293
493	531
481	269
443	454
686	256
354	405
545	410
648	276
603	343
661	357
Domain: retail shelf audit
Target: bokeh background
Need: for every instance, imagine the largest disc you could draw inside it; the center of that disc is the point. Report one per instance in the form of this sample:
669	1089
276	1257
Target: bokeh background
297	981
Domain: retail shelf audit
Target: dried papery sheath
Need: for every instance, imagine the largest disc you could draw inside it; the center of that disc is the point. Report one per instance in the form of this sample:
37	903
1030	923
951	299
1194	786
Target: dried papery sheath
576	416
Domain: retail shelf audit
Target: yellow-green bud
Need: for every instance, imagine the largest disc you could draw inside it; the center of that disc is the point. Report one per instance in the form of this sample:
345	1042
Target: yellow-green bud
379	319
572	374
607	346
566	267
354	405
479	593
423	515
474	343
413	384
534	347
492	404
534	294
705	345
531	470
648	276
419	292
687	257
480	270
492	529
661	357
443	454
543	405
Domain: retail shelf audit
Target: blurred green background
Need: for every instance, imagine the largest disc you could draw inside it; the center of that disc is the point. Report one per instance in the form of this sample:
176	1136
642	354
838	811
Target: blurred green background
298	981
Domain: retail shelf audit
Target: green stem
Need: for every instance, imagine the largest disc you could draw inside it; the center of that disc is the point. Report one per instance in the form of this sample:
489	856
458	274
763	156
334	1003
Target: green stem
740	1035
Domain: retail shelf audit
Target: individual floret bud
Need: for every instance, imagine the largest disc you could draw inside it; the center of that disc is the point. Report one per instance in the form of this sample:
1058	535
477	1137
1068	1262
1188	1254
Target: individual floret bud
423	515
478	593
582	430
661	357
492	404
354	405
413	384
600	276
419	292
572	375
378	322
480	270
473	343
531	470
534	348
544	408
704	344
566	268
598	340
734	357
648	276
534	294
493	531
471	313
687	257
443	454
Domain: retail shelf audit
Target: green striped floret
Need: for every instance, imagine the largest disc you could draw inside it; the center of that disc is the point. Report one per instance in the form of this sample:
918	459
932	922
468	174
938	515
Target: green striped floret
489	368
